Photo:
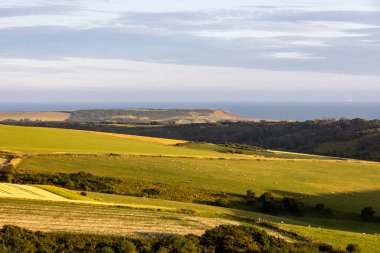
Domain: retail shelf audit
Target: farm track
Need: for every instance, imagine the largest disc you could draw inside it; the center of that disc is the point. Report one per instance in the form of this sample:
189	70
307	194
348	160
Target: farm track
98	219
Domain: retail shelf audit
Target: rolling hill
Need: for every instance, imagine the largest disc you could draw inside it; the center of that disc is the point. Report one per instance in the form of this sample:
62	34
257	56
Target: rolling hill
131	184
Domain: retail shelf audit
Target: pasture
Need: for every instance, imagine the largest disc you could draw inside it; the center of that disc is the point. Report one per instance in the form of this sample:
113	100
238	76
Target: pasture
342	185
367	243
48	140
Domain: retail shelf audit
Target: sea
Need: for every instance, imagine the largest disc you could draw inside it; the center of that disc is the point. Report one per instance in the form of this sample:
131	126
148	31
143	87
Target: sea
259	110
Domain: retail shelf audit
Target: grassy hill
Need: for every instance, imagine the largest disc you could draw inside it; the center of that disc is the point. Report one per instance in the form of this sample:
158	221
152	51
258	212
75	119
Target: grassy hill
160	170
43	140
339	184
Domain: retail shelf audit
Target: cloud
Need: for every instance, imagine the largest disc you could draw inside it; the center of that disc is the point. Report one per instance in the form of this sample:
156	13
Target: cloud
295	56
115	35
309	43
168	82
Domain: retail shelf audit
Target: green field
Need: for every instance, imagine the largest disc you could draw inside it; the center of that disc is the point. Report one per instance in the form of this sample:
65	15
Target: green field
71	195
367	243
49	140
250	150
346	186
339	184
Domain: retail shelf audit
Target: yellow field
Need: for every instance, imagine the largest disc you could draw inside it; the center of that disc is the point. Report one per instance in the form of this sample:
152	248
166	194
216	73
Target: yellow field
99	219
140	138
27	192
33	116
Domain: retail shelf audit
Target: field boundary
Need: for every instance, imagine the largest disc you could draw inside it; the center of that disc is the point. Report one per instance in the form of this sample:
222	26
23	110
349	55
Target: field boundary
243	158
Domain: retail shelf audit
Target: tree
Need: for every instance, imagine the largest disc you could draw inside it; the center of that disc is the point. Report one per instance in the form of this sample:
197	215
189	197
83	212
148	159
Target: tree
353	248
320	207
250	194
251	200
266	196
368	214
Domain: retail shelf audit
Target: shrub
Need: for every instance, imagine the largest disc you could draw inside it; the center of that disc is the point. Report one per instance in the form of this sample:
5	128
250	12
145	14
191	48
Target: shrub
327	211
319	207
250	194
151	191
325	248
266	196
294	206
222	202
368	214
271	207
225	238
353	248
251	200
127	247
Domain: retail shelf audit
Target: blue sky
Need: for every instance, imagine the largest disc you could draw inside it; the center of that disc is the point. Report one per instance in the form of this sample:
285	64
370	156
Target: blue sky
170	50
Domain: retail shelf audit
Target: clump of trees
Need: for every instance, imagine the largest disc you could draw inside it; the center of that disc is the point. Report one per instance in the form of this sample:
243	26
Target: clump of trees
81	181
368	214
353	248
224	238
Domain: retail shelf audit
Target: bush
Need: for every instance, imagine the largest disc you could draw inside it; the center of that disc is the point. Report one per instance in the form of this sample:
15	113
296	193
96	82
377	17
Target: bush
271	207
151	191
353	248
250	194
266	196
127	247
319	207
222	202
368	214
251	200
225	238
327	211
294	206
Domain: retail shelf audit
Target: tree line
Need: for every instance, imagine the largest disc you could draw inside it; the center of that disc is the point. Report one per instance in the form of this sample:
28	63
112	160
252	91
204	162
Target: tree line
361	137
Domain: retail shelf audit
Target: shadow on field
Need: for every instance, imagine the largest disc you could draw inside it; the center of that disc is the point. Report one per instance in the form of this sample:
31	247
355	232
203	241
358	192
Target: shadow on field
346	208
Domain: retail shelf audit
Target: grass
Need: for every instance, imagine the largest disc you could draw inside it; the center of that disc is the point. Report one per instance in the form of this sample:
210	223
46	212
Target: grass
253	152
207	210
98	219
141	138
49	140
67	194
341	185
367	243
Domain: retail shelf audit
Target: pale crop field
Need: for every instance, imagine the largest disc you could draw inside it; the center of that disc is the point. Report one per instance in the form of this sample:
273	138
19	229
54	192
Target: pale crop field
141	138
97	219
27	192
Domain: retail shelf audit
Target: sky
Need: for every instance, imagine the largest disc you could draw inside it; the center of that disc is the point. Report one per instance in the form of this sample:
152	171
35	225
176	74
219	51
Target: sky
189	50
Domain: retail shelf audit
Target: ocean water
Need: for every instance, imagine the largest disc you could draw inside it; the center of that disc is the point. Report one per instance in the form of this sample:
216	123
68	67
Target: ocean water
261	110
